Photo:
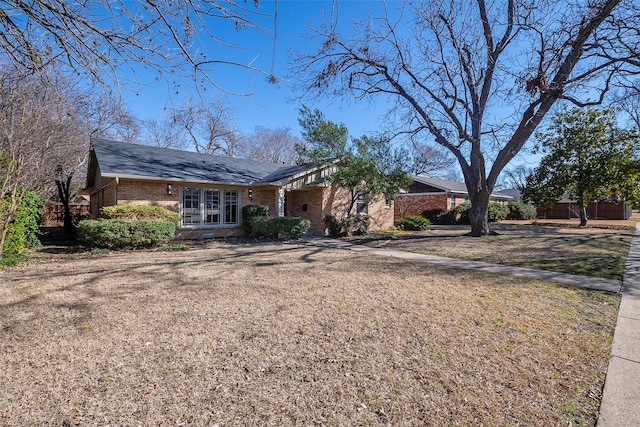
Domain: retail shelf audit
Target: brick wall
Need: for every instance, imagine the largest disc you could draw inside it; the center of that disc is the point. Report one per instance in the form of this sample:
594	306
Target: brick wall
416	204
148	193
310	198
262	196
104	197
380	214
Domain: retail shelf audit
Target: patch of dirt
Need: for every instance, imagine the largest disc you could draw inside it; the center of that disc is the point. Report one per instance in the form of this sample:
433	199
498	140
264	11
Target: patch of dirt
287	334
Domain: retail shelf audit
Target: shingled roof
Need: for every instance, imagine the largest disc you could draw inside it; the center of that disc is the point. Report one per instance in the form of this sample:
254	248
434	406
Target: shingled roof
451	187
124	160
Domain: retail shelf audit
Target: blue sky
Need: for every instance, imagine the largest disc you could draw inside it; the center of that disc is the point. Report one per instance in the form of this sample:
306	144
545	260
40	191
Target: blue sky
270	105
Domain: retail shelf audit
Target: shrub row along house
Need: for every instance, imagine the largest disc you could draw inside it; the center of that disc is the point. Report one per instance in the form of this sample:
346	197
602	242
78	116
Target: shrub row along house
209	191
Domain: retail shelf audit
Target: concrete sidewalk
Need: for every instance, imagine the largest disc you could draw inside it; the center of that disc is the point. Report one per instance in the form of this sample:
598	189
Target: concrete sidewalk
620	405
566	279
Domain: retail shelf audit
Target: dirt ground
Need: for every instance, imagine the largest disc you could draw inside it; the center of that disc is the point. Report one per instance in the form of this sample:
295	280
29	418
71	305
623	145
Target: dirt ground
288	334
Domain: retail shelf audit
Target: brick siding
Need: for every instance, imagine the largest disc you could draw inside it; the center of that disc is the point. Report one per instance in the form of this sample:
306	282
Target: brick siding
416	204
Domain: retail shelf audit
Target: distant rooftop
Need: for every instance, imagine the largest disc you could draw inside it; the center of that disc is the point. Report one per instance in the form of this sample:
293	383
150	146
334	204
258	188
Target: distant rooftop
452	186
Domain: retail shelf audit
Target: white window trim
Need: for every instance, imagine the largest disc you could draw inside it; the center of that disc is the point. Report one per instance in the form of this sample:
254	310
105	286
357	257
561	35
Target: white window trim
365	202
222	201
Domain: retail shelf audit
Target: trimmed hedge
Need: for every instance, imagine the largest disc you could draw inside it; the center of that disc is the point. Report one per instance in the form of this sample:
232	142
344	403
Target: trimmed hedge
412	223
273	227
249	212
140	212
124	234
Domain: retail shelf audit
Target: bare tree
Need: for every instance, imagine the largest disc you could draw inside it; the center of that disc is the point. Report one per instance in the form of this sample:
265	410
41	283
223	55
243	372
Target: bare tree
40	133
166	133
514	177
629	103
428	160
273	145
106	114
479	76
46	124
209	127
98	37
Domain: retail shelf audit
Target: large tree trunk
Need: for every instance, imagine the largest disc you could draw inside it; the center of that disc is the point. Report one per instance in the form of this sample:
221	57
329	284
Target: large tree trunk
582	205
479	214
64	194
479	191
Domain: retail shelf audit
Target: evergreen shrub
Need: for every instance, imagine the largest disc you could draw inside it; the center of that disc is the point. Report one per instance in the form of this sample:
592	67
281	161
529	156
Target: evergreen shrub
521	210
23	229
249	212
334	227
140	212
274	227
497	211
412	223
125	234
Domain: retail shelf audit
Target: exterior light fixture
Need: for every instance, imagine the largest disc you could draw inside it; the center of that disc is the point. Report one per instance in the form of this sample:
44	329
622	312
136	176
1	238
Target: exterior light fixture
169	189
250	192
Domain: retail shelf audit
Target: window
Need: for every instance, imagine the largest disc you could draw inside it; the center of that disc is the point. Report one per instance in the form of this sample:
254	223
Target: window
211	206
453	201
190	206
230	207
361	203
202	206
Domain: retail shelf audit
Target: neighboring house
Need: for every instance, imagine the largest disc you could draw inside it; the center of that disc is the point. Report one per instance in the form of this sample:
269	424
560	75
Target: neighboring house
430	194
603	209
209	191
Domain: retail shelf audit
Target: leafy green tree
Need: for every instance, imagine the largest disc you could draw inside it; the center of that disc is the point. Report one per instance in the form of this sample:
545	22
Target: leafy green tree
587	157
324	139
366	166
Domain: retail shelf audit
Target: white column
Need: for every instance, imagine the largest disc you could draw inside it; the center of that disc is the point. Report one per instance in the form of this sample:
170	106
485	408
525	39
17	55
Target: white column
280	202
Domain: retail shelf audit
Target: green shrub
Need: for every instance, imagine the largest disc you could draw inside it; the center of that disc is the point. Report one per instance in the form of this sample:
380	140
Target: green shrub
352	225
412	223
249	212
124	234
460	214
335	228
140	212
497	211
273	227
521	210
23	229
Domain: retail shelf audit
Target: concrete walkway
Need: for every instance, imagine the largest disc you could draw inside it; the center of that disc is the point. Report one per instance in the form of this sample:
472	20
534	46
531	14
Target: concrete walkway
620	406
566	279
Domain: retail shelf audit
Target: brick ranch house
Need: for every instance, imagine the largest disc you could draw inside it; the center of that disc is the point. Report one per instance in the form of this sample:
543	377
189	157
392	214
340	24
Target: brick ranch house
426	194
209	191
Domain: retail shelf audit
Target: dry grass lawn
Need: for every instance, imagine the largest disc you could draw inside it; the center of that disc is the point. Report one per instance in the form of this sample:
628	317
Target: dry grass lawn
597	252
277	334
